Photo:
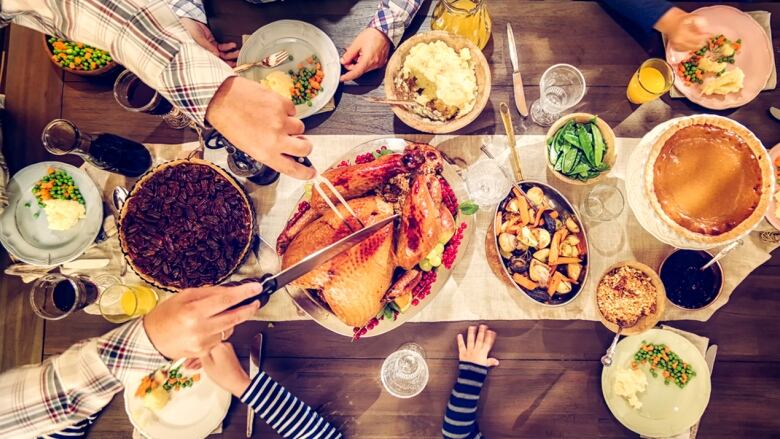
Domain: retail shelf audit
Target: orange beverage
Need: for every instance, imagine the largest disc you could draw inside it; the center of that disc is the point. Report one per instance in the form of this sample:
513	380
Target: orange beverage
467	18
653	78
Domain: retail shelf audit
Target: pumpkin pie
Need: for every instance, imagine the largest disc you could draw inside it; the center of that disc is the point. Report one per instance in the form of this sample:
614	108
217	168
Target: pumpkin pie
709	179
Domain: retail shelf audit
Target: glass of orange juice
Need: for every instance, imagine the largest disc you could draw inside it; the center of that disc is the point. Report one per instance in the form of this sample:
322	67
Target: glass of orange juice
120	303
467	18
653	78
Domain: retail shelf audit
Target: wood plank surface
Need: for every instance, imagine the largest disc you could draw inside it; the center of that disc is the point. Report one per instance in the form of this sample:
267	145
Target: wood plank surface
548	384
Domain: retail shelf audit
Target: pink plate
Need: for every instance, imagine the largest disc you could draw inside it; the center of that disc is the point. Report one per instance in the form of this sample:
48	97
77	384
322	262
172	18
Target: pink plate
755	58
770	214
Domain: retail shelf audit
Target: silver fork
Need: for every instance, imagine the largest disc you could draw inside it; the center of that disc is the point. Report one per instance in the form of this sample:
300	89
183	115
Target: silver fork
268	62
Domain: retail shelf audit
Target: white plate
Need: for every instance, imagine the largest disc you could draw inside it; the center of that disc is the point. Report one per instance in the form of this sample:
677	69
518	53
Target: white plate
191	413
28	238
666	410
301	40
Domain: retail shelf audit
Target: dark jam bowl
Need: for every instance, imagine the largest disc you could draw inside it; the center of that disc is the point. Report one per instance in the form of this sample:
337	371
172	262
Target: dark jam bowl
687	286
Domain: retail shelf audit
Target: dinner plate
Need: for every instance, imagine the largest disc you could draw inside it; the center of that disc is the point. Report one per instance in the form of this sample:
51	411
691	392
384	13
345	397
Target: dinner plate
319	313
755	58
28	238
773	219
301	40
666	410
191	413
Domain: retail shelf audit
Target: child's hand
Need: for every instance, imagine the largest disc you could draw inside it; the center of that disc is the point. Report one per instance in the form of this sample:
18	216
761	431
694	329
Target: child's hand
685	31
222	366
477	346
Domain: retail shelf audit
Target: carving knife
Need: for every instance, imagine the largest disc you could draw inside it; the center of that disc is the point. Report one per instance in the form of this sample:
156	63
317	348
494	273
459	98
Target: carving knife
517	79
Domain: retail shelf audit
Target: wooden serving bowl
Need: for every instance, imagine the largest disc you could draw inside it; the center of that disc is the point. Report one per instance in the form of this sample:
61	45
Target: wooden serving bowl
609	138
98	72
648	321
481	67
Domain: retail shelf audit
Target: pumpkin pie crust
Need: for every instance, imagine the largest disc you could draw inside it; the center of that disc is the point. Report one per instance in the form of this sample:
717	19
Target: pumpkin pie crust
709	179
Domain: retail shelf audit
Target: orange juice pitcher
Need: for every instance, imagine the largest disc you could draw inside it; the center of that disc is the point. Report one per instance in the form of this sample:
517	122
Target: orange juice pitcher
467	18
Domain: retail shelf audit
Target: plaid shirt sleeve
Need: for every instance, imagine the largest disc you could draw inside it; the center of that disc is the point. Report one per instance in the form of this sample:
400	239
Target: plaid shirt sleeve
189	9
143	35
68	388
393	17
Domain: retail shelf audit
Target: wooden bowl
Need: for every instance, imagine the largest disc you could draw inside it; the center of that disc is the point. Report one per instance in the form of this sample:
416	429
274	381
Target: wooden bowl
648	321
424	124
98	72
609	139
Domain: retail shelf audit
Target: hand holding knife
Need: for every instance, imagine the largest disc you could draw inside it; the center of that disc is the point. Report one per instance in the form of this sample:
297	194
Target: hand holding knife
517	79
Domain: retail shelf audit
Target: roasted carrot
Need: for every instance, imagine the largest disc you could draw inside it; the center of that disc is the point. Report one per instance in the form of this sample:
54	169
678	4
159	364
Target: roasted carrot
524	282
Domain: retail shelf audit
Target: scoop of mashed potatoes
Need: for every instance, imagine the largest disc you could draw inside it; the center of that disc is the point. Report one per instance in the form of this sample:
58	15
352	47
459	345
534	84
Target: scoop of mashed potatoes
63	214
279	82
730	82
628	383
442	75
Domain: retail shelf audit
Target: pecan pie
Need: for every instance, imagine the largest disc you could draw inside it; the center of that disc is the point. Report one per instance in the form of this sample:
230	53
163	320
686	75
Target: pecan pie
709	178
186	224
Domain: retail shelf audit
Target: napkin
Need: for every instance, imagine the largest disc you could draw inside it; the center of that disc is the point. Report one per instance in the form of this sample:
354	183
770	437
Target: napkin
762	18
701	344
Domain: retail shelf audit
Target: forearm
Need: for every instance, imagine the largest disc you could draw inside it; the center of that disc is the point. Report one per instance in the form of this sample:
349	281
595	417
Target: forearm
393	17
285	413
143	35
644	13
460	418
74	385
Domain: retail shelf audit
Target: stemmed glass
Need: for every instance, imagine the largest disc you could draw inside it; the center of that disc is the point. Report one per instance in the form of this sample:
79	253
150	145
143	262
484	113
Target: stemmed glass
405	372
562	86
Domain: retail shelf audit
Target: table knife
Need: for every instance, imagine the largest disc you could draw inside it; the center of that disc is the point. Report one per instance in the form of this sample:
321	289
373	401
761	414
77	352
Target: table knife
255	356
517	79
272	283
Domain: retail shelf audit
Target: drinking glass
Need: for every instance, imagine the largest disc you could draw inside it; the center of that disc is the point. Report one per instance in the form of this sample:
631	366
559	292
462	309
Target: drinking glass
405	372
467	18
486	183
133	95
652	80
562	86
603	203
55	296
120	303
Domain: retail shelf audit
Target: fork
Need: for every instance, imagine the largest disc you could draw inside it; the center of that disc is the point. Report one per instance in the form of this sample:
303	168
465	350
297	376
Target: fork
268	62
318	181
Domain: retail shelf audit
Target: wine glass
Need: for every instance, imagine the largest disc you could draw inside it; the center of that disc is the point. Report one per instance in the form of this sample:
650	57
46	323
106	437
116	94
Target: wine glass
486	183
562	86
405	373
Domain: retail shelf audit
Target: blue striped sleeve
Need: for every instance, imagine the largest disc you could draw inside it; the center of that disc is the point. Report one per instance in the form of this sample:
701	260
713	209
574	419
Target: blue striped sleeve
286	414
460	418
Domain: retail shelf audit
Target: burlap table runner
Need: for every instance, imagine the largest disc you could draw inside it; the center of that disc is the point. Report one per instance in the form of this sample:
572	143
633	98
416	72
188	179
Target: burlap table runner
473	292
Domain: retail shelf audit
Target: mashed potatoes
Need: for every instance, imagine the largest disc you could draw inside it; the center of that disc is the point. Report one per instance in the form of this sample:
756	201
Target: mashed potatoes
730	82
629	382
63	214
279	82
443	79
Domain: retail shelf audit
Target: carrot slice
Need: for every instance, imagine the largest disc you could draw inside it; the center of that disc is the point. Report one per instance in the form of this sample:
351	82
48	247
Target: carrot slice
524	282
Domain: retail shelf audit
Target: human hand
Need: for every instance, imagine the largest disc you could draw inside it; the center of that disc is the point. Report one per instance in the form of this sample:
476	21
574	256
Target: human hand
367	52
193	321
202	35
222	366
476	348
684	31
262	124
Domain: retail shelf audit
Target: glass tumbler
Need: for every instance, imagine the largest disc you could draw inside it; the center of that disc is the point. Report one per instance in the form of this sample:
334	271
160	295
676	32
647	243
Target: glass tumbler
562	86
603	203
404	373
120	303
652	80
486	183
56	296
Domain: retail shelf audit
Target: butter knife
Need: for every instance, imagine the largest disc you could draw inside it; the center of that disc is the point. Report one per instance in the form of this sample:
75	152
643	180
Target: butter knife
517	79
709	358
255	353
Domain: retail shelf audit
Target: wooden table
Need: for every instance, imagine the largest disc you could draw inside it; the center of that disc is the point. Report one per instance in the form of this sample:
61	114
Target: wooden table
548	384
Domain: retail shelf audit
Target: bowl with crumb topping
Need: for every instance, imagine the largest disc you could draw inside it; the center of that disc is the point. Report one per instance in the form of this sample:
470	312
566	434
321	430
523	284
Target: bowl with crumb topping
631	296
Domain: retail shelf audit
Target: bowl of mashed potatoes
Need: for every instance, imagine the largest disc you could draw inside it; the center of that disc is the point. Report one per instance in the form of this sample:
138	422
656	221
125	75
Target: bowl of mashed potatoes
445	78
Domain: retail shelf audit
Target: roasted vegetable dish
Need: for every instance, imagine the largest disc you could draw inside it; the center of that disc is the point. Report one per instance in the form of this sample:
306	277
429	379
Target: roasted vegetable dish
541	244
578	150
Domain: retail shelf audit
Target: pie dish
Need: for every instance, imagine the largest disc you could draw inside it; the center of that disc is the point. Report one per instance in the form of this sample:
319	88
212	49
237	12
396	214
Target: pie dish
709	179
186	224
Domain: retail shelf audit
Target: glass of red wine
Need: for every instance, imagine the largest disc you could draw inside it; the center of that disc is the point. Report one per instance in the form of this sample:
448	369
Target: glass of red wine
133	95
56	296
